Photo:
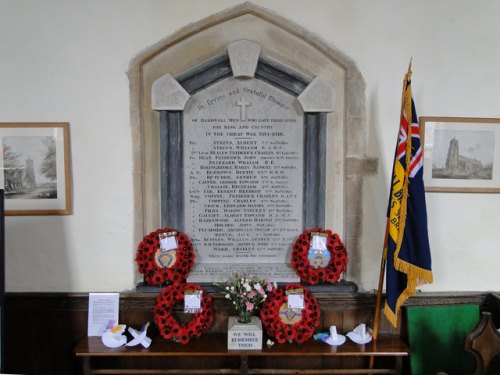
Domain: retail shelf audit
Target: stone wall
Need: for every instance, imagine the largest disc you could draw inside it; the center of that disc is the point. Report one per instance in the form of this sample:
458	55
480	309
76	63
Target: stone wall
292	45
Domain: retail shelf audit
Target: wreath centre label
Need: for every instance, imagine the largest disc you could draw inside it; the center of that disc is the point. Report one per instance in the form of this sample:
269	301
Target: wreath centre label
290	316
165	259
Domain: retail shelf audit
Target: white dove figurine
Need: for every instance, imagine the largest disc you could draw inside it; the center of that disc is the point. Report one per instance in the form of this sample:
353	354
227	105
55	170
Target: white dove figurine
139	337
334	338
359	335
113	337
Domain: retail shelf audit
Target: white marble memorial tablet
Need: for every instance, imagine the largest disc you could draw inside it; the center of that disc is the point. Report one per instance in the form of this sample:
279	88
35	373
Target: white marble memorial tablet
243	179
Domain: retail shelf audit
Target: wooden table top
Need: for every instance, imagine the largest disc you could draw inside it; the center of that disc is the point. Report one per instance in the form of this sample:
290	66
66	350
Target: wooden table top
216	345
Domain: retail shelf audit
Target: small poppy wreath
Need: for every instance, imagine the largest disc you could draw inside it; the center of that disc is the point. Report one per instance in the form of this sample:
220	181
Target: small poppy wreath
330	272
162	267
170	328
286	324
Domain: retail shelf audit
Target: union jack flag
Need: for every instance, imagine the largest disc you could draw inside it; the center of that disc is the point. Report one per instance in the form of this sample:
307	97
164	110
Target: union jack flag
406	248
417	160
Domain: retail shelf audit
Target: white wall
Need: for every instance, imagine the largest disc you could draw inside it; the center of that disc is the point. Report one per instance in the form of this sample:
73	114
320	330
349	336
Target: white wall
66	60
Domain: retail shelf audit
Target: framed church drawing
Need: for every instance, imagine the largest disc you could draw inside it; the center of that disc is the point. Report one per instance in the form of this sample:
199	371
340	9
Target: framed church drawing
461	154
35	168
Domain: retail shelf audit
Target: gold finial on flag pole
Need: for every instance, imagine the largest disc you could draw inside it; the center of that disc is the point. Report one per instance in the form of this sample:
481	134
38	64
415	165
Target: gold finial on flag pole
408	73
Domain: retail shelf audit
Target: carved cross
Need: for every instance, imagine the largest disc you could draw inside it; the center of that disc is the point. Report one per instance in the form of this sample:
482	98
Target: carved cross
242	103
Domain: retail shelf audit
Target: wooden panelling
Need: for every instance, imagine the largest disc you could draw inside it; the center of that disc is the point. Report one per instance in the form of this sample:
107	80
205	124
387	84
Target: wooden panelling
494	308
42	329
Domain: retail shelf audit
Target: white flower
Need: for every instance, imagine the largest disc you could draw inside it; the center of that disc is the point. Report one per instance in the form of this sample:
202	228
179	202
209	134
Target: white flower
247	287
227	287
257	286
264	296
228	296
232	288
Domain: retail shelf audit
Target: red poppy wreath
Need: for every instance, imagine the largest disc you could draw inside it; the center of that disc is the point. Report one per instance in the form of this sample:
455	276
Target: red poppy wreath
289	324
170	328
319	256
165	256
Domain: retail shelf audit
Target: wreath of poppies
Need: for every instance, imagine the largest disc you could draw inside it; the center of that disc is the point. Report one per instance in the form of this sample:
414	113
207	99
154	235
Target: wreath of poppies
312	274
287	324
170	328
157	271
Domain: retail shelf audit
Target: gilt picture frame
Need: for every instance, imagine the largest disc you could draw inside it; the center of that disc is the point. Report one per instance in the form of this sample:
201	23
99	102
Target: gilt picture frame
461	154
35	168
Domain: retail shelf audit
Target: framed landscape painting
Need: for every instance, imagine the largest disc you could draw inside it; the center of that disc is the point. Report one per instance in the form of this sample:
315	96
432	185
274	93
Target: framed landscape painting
461	154
35	168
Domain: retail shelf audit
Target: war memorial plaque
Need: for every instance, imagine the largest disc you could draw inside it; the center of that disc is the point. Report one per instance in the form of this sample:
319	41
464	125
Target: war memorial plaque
243	179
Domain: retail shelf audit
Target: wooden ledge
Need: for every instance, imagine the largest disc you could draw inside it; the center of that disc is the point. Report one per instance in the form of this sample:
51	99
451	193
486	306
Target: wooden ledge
216	345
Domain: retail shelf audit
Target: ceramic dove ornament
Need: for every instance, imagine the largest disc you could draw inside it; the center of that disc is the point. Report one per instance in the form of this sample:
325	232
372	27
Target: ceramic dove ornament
113	337
139	337
334	338
359	335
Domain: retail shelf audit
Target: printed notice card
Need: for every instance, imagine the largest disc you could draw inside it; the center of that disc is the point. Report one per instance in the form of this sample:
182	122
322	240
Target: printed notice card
103	308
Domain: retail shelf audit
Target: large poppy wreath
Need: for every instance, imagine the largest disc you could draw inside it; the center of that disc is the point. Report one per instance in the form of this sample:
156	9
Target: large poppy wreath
160	267
285	324
170	328
332	261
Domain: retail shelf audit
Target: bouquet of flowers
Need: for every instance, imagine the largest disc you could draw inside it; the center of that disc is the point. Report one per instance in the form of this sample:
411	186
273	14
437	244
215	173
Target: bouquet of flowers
247	292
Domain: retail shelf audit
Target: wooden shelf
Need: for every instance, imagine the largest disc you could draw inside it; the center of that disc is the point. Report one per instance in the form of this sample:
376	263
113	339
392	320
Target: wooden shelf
215	345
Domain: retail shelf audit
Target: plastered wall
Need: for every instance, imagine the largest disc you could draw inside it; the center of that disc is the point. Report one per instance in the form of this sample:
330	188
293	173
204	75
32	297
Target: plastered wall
68	61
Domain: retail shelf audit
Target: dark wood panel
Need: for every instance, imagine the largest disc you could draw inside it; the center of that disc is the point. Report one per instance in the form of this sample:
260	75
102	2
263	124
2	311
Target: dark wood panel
42	329
19	356
494	308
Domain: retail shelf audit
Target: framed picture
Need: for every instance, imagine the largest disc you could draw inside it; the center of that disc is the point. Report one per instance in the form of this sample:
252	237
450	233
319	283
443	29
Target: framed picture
461	154
35	168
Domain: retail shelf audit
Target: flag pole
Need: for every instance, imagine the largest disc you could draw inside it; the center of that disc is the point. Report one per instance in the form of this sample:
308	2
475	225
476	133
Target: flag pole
376	317
380	286
383	262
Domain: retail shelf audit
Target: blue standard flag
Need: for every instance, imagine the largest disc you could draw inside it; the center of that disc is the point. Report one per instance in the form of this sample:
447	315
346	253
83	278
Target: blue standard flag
407	244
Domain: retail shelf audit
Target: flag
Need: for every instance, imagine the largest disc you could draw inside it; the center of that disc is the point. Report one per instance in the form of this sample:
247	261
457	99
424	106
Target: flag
406	245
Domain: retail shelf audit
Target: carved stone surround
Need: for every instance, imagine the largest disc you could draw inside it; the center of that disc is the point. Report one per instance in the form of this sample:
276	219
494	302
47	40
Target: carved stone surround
280	40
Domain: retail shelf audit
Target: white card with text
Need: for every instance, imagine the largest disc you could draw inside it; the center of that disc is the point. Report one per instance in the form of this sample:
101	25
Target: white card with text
103	308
